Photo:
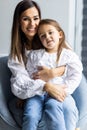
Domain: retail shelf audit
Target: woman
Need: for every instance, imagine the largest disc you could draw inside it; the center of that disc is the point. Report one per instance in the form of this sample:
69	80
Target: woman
24	38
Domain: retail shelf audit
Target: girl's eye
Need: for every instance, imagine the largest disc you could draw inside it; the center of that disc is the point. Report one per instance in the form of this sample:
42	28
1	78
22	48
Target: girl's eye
42	36
50	32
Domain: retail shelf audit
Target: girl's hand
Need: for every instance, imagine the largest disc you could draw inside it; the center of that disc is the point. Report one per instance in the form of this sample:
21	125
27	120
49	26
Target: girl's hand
46	73
56	91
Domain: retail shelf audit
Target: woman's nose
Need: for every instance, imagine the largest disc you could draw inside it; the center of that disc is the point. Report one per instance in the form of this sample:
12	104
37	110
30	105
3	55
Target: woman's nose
32	22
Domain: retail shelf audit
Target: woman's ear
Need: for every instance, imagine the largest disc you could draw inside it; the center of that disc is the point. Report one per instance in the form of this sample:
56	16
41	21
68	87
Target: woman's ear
60	34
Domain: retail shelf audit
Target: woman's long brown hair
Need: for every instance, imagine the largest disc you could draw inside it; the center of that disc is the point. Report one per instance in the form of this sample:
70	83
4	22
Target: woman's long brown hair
18	38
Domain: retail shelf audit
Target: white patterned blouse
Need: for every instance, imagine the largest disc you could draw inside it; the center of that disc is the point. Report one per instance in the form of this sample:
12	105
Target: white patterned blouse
22	84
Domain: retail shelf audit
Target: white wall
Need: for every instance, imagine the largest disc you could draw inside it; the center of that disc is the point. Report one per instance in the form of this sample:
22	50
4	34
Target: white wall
78	27
56	9
6	14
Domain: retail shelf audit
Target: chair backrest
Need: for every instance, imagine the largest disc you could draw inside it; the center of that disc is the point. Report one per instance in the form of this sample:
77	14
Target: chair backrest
80	94
5	74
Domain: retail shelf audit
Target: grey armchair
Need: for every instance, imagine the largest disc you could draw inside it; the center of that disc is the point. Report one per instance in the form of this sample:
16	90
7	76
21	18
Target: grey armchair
11	117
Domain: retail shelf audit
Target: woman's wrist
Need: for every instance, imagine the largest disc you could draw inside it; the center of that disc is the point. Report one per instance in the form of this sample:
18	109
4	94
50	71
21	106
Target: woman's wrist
59	71
54	72
46	87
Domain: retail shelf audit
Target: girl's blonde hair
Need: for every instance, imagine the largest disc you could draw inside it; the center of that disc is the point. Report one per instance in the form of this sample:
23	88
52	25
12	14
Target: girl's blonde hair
62	42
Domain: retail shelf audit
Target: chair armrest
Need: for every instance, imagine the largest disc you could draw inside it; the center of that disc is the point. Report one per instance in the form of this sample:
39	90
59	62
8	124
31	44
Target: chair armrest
5	92
80	96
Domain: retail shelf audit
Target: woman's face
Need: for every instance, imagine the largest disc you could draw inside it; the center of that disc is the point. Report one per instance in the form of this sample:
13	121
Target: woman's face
29	22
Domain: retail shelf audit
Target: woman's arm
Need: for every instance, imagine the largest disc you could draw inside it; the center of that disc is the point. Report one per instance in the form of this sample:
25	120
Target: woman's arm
22	85
59	71
46	73
56	91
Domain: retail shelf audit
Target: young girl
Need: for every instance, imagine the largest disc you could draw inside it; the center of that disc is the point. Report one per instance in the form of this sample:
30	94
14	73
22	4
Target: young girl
55	53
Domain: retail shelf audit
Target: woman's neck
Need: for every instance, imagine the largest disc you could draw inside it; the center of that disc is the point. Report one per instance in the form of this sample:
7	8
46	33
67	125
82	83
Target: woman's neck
28	46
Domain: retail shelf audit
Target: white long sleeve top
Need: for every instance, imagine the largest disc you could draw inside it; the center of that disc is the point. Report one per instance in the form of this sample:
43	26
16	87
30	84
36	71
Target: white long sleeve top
22	84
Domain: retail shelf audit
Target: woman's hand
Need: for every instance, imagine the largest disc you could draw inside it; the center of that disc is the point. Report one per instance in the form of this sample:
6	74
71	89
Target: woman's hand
56	91
46	73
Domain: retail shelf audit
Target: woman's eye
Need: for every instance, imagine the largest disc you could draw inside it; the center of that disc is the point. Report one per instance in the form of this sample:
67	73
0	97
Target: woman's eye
37	18
25	18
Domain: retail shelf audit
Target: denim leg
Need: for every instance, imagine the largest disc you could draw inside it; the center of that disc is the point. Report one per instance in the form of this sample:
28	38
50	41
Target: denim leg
32	112
70	113
42	124
54	116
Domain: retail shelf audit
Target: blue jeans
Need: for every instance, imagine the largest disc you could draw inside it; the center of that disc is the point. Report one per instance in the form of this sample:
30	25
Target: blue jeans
56	115
33	109
70	113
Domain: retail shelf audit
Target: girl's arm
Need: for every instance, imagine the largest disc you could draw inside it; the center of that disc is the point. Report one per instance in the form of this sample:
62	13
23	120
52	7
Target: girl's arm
73	77
74	73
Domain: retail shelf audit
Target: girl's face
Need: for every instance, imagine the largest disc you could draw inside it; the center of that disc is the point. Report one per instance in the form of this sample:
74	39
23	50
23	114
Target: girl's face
49	37
29	22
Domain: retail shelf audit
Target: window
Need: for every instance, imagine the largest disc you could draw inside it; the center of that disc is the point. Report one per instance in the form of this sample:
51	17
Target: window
84	38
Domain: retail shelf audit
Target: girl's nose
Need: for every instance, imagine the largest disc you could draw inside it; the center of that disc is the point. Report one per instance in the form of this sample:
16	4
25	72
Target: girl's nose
47	36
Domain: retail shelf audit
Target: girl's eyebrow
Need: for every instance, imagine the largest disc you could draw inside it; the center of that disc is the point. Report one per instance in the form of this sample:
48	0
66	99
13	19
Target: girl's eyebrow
47	31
